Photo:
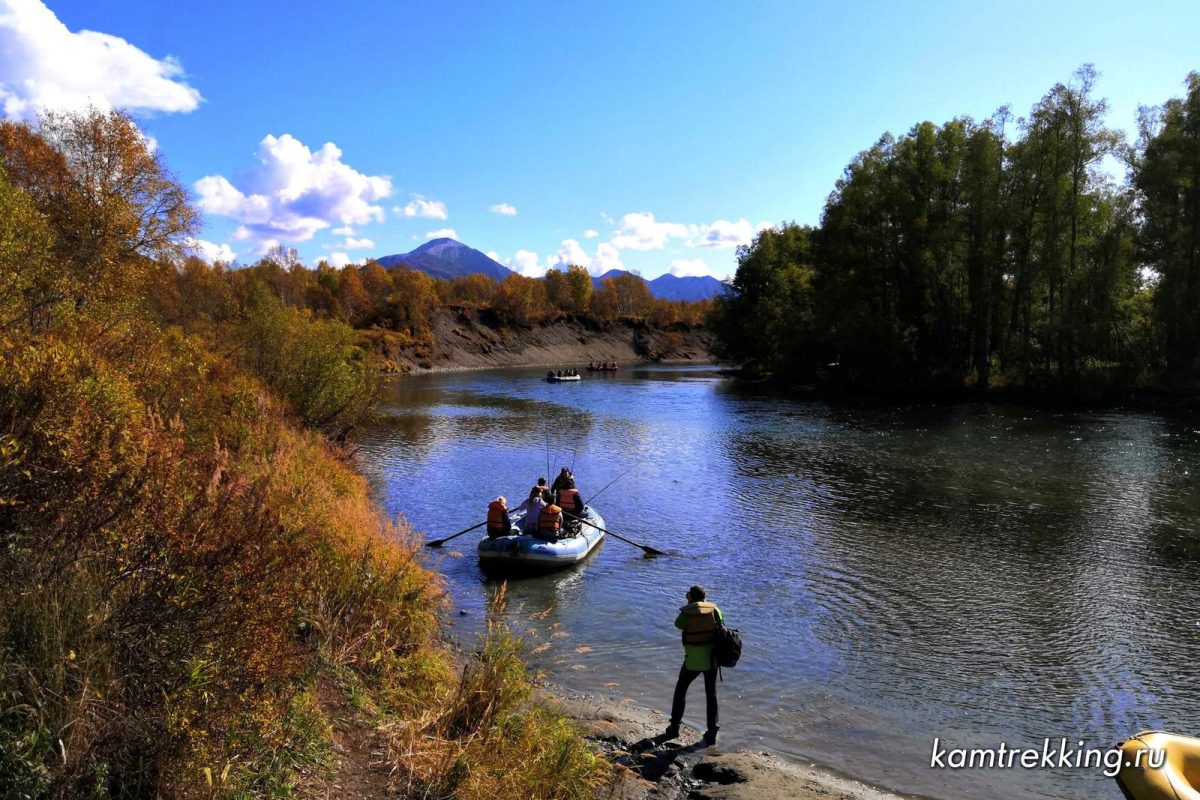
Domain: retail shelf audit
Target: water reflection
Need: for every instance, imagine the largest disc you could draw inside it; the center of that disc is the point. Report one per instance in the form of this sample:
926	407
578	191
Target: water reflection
981	574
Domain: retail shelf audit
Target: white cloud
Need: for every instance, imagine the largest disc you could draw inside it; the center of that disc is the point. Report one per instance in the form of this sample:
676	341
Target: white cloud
357	244
442	233
571	252
294	192
45	65
424	209
607	257
724	233
683	268
640	231
339	260
503	209
590	234
210	252
525	262
345	230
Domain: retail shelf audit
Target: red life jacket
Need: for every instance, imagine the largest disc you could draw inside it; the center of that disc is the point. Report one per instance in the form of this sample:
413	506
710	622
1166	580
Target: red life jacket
549	519
496	513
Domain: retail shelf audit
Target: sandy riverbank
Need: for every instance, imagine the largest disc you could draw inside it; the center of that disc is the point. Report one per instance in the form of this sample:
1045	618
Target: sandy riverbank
650	769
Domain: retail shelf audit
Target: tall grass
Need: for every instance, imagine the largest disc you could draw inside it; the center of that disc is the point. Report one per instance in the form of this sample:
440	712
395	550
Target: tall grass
180	565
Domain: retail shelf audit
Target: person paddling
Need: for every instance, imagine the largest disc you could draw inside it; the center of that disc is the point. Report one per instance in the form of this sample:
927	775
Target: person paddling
498	522
698	620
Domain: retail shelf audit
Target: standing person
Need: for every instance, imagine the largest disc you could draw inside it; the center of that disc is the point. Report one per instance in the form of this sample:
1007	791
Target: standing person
532	507
498	523
698	620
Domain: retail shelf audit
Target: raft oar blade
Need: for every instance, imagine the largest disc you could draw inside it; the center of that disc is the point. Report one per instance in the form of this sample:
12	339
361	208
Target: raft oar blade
440	542
648	550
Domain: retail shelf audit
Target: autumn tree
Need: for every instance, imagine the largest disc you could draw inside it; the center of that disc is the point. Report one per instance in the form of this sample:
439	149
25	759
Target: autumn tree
108	196
521	300
578	289
28	283
354	304
625	295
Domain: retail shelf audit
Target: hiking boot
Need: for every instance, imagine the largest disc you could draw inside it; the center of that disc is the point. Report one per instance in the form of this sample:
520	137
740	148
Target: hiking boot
672	732
710	738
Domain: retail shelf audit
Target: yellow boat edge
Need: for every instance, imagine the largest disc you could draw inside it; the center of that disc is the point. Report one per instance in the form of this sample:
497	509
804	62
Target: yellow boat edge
1175	776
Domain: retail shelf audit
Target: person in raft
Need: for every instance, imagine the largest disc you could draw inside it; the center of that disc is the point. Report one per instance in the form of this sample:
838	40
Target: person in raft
698	620
532	507
498	523
545	490
564	480
550	522
571	502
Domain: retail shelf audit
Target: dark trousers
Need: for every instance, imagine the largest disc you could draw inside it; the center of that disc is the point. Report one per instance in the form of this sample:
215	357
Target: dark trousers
686	676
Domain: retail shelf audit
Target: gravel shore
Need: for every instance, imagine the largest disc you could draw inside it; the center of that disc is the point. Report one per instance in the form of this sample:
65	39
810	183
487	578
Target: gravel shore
684	769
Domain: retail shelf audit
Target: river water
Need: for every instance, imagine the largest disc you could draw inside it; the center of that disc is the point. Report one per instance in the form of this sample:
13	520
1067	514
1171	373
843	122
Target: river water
980	574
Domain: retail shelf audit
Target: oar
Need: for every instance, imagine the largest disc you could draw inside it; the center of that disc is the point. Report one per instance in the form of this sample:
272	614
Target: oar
440	542
650	551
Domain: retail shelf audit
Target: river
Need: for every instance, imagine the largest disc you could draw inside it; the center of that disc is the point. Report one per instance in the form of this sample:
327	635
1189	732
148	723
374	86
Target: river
981	574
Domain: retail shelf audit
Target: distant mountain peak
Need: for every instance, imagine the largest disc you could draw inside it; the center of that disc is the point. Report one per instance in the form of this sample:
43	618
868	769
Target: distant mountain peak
447	259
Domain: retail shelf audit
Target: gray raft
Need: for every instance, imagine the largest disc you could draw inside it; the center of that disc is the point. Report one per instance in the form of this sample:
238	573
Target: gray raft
519	552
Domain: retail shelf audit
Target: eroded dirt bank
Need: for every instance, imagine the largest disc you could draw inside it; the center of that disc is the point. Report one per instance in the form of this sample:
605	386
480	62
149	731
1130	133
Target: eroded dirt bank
463	340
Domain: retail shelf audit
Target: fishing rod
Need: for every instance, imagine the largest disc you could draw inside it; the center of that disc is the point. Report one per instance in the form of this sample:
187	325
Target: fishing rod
610	483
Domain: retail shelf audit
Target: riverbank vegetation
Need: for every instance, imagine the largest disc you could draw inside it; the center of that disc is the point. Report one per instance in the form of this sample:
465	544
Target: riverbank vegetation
997	255
397	306
187	559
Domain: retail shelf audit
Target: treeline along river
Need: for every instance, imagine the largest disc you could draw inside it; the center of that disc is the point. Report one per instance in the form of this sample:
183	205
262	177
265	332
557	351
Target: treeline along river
982	574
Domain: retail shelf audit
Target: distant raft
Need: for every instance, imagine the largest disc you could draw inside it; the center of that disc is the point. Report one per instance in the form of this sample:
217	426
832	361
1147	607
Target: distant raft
518	552
1173	775
563	378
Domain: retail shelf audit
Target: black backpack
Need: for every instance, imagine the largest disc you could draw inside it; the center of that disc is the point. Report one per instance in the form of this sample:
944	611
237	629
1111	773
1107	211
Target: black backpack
727	646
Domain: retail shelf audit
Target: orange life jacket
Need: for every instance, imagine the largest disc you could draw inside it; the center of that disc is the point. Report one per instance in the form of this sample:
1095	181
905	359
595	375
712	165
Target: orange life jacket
568	499
701	627
549	519
496	513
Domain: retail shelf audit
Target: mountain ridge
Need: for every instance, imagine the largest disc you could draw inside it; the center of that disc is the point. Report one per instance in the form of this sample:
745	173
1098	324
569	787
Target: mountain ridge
448	259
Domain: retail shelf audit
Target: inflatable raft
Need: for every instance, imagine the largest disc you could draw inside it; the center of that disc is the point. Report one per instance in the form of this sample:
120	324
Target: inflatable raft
1157	764
519	552
563	378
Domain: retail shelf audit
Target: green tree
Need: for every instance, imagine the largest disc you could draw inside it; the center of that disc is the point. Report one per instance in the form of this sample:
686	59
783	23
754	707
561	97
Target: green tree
1166	177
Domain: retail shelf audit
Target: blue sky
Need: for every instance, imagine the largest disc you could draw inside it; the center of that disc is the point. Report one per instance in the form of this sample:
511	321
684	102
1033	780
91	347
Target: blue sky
653	136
